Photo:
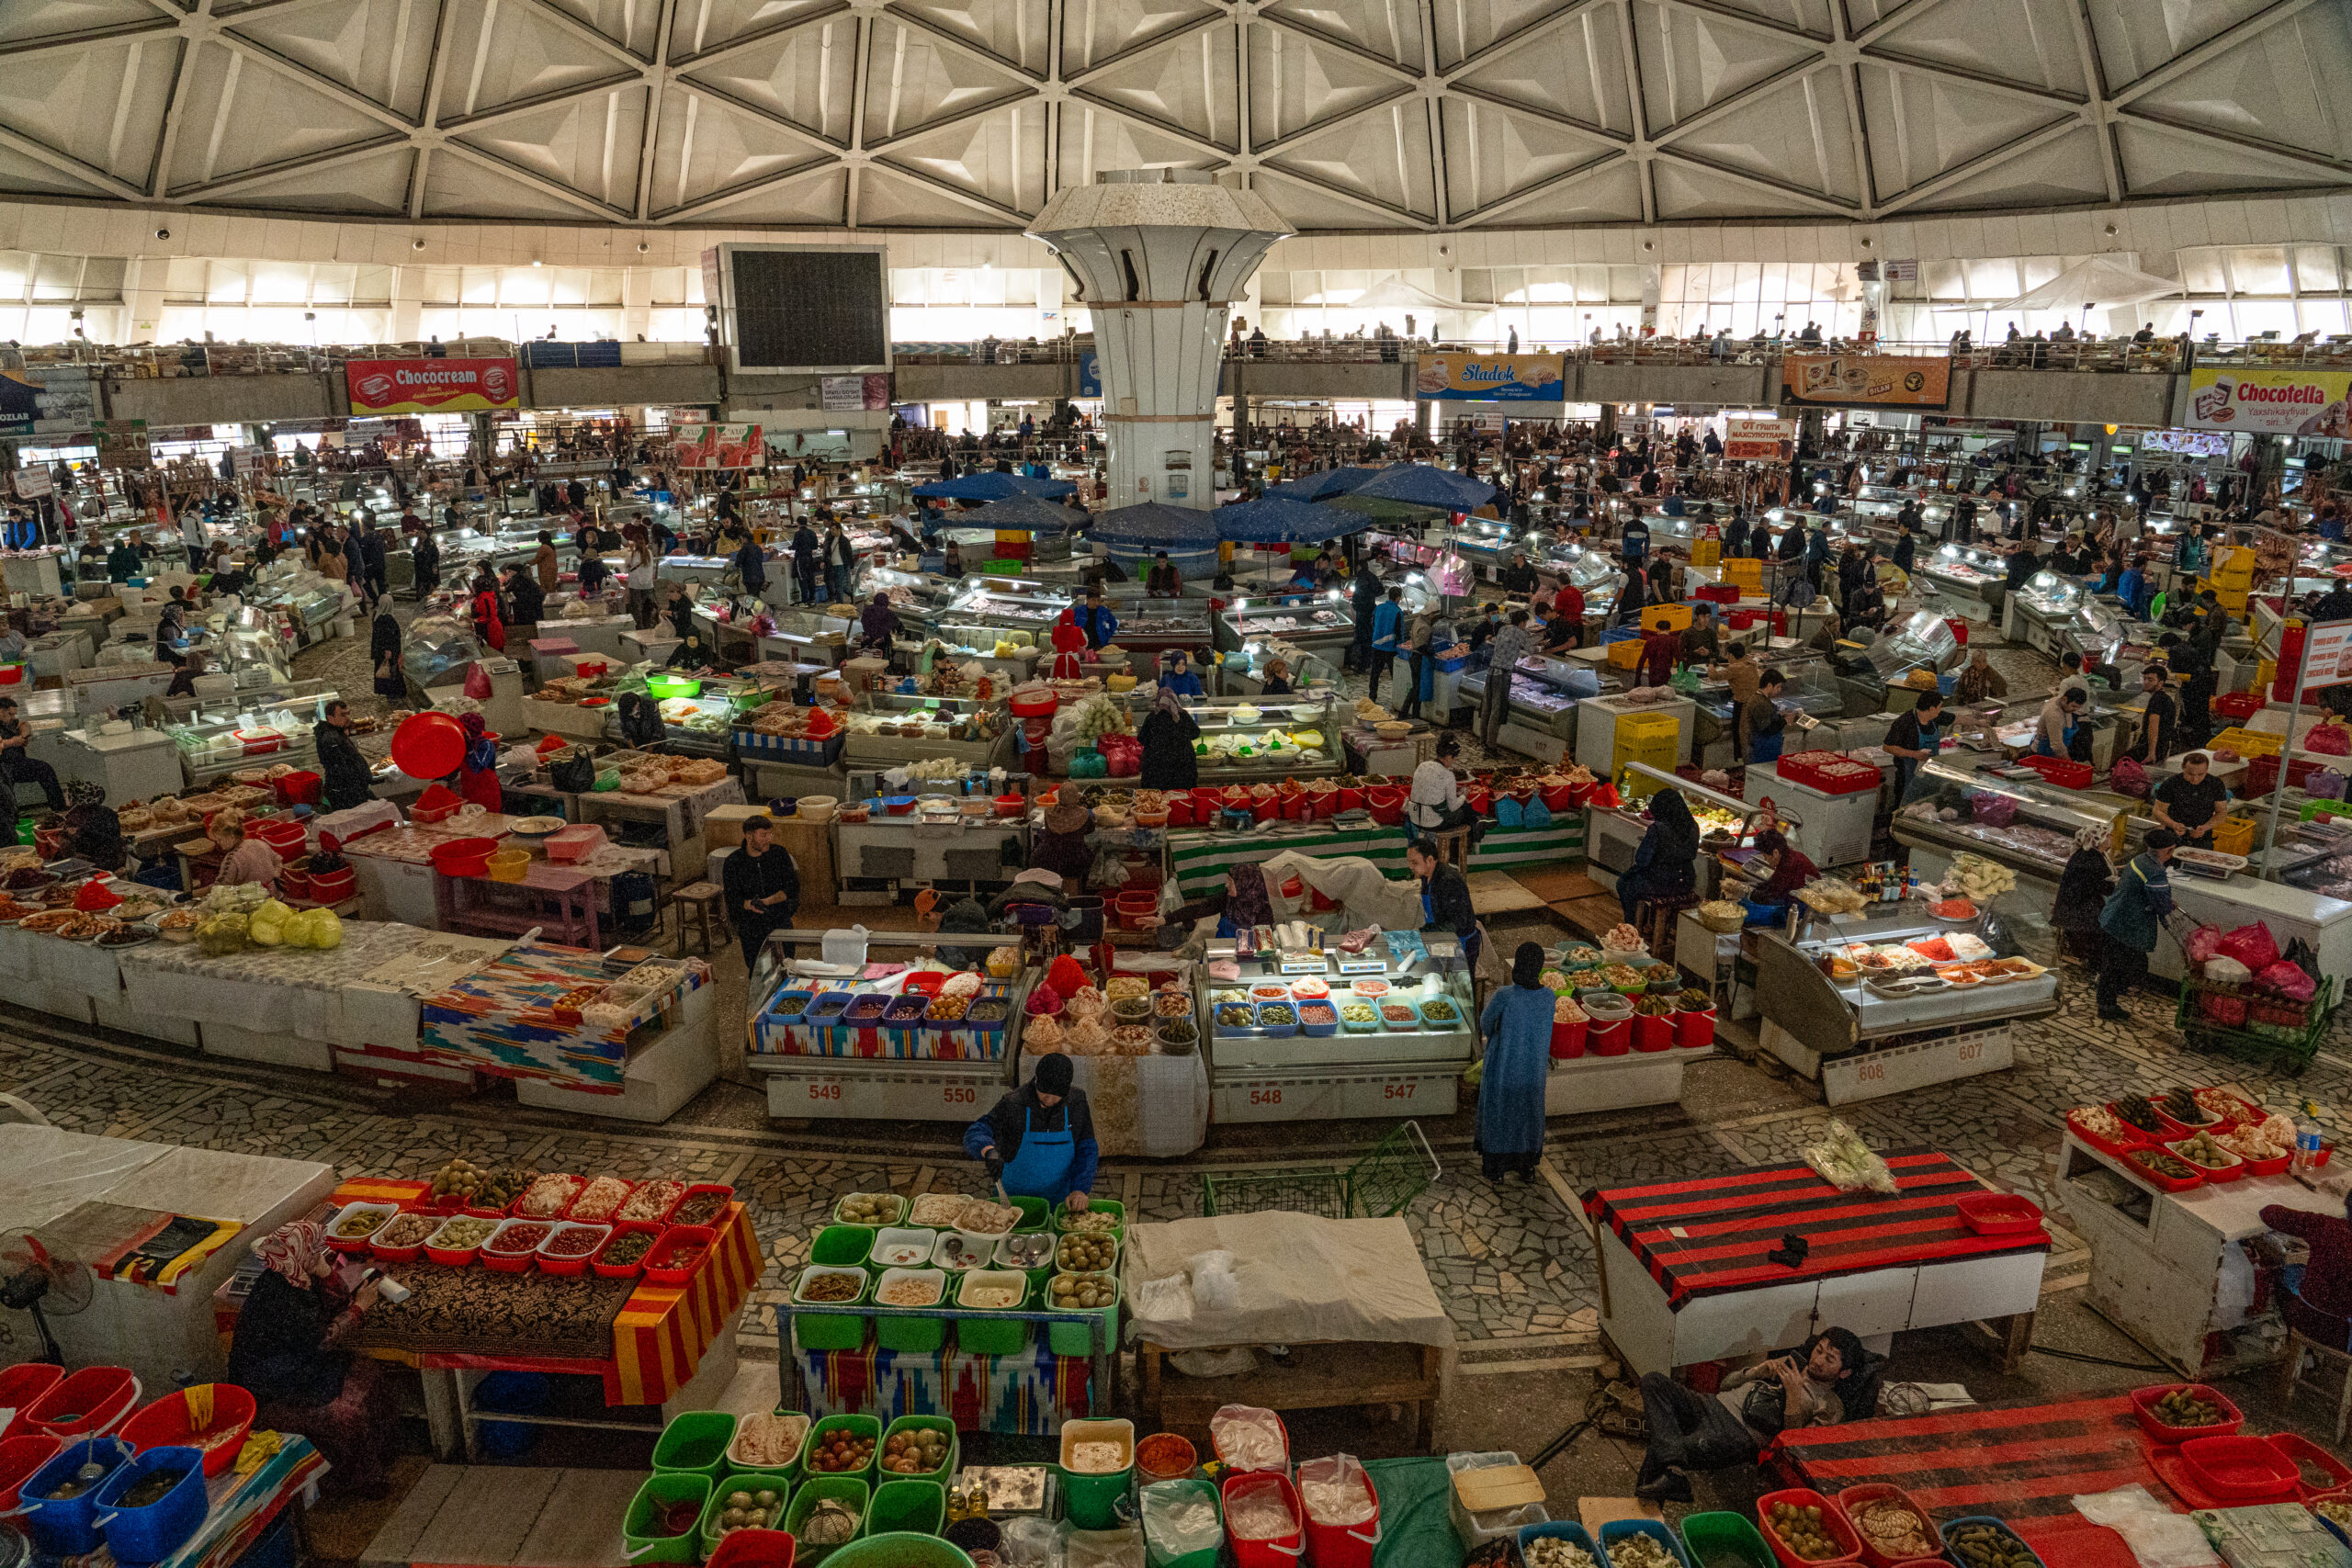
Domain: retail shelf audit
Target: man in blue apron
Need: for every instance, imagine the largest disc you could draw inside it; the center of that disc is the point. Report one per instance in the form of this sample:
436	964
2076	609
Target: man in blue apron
1039	1139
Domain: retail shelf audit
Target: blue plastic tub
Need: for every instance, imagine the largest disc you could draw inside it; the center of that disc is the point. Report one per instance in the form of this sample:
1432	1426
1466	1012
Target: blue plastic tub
1568	1530
145	1535
1384	1003
65	1528
791	1006
1317	1031
827	1007
1616	1530
1278	1031
1233	1031
1372	1026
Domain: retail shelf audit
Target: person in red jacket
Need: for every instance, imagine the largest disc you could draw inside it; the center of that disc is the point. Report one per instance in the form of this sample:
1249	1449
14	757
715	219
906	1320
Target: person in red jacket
488	625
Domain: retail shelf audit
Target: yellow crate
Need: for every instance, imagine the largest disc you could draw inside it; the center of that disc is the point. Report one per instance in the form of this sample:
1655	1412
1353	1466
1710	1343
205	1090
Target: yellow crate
1625	654
1647	727
1705	553
2245	742
2233	835
2232	599
1667	618
1744	570
1657	753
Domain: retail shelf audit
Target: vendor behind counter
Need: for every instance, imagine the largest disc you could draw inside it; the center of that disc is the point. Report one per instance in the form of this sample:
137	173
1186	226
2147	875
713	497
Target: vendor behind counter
1039	1139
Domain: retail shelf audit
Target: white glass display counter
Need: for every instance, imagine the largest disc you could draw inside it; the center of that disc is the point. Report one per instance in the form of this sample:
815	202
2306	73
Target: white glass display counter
1975	576
1318	621
2057	615
1245	738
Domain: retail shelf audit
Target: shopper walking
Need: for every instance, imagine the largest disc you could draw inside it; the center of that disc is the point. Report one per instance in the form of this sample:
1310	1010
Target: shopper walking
1517	1027
2130	922
639	570
1510	646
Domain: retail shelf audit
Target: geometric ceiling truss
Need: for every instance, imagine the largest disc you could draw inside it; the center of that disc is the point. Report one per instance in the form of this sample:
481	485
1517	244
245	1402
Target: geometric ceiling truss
1350	115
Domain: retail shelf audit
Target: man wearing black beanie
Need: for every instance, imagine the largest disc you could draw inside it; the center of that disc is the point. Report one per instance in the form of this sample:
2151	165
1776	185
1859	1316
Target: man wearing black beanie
1039	1139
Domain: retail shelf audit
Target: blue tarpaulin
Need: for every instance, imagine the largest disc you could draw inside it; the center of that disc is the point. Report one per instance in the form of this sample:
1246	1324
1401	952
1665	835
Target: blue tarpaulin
1274	520
1153	525
1322	485
991	487
1419	484
1016	514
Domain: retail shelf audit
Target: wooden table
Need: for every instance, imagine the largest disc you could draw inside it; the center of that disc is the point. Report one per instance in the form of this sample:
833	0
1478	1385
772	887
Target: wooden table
1686	1276
467	904
1318	1376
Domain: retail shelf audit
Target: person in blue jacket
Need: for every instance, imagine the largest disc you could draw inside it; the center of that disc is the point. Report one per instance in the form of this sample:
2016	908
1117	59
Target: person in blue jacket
2132	587
1517	1026
1039	1139
1095	619
1384	621
1176	676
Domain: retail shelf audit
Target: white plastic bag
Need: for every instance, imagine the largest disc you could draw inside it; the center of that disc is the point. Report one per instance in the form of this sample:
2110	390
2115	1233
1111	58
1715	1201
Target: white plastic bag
1249	1438
2157	1537
1214	1283
1166	1299
1336	1492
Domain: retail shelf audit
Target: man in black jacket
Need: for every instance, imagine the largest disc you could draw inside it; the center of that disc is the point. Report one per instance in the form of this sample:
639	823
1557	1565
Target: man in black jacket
1447	894
346	780
1365	591
760	887
526	601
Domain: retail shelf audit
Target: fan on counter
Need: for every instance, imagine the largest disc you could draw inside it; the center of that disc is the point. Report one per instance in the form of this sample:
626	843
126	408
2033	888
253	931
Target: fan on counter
36	1279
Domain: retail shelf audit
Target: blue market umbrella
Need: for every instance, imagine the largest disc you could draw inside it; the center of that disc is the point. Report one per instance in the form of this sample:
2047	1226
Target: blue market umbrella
991	487
1018	512
1409	485
1325	485
1155	525
1273	520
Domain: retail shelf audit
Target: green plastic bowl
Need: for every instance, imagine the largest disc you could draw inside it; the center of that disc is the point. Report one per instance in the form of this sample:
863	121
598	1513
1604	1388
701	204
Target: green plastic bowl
664	1487
813	1490
909	1506
665	686
895	1549
695	1442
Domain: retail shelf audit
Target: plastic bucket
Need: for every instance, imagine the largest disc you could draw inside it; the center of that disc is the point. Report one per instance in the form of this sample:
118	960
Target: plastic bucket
20	1385
19	1457
813	1490
1574	1535
138	1536
84	1404
1567	1039
1157	1494
664	1490
1282	1552
1693	1031
752	1548
695	1442
1654	1032
1091	1500
1608	1039
916	1508
1616	1530
334	886
166	1424
1724	1539
896	1549
1344	1546
1088	908
65	1528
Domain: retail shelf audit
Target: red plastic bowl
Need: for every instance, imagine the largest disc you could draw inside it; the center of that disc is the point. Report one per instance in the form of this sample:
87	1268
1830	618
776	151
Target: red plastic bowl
1832	1522
463	857
2000	1213
2239	1470
625	1270
659	1267
2144	1406
2303	1453
429	745
163	1424
19	1457
1854	1498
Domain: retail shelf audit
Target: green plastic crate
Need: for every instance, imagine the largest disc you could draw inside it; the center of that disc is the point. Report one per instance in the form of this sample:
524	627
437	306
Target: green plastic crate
907	1505
926	1424
695	1441
1149	1498
1090	1501
753	1481
896	1549
1073	1339
1036	1214
661	1487
827	1331
813	1490
918	1329
842	1246
994	1336
1097	1205
857	1426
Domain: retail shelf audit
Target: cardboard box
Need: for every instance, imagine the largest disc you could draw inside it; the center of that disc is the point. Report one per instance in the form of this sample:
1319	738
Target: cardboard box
722	827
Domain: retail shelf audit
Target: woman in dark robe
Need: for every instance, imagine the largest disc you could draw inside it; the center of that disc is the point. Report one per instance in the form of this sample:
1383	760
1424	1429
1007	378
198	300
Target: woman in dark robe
286	1353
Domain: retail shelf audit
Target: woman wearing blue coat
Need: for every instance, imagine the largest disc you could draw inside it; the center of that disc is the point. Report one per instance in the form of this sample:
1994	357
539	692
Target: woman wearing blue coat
1518	1028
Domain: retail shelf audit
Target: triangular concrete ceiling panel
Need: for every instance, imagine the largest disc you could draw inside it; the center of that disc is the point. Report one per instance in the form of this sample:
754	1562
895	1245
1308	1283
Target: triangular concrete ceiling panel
589	143
511	54
999	156
635	25
456	186
2029	43
1383	156
2283	85
817	202
22	172
69	99
1296	84
1094	33
245	115
2061	173
1795	16
1693	59
1377	26
1492	153
1471	26
1611	194
1686	192
376	184
888	201
1575	68
2159	162
808	75
705	147
360	46
913	80
1311	210
62	18
1794	133
1097	139
998	27
2135	37
1923	125
1185	84
706	25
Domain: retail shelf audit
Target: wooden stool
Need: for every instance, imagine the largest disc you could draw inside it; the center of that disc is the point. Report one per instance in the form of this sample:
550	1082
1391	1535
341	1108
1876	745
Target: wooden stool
1451	845
2302	1320
1654	917
710	912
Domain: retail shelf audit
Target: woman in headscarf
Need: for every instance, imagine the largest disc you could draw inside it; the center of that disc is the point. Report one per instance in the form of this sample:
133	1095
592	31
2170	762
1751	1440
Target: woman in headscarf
2083	887
1517	1026
1060	846
1167	734
1663	865
284	1354
478	775
1247	903
878	625
384	653
92	829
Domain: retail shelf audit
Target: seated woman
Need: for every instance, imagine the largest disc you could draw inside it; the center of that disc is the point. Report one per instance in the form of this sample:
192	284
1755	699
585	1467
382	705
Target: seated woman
1782	868
1061	847
1277	680
1244	902
1662	861
284	1354
877	626
1035	888
92	829
1176	676
244	860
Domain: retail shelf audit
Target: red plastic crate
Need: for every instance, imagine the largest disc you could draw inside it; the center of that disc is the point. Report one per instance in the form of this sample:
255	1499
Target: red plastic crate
2064	771
2239	705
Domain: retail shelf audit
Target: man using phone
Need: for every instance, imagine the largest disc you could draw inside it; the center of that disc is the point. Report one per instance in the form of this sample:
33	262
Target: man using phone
1830	1377
760	886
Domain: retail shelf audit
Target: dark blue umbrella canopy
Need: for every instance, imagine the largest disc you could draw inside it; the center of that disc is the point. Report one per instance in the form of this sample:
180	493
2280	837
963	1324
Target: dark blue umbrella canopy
991	487
1419	484
1155	525
1275	521
1017	512
1323	486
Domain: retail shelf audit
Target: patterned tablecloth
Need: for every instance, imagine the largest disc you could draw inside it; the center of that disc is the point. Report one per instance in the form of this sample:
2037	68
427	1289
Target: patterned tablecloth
1199	857
1710	1235
650	1346
1032	1393
500	1020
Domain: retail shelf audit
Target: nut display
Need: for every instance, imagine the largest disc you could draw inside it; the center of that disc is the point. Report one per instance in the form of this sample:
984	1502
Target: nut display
1556	1551
946	1009
2181	1407
920	1452
459	1234
409	1230
701	1209
1085	1254
548	1196
1801	1530
629	1249
1988	1546
521	1238
839	1450
872	1209
576	1241
480	1186
1082	1291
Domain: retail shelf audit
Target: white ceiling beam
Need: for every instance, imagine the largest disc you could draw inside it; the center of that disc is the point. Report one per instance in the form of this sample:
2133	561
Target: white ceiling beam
1994	85
979	111
358	102
174	112
1959	174
65	164
1348	46
1637	108
750	42
657	80
2094	70
595	89
1134	51
1748	20
951	192
565	21
2220	43
1356	198
2321	169
429	105
1508	43
1545	186
1547	117
1902	16
962	45
1176	133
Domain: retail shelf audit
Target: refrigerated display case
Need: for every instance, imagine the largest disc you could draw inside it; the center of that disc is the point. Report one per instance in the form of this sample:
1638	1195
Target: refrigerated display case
1318	621
2021	822
1544	692
888	729
254	650
1593	572
1148	627
1971	575
2056	616
1888	1019
436	649
1403	1054
1256	738
1243	674
1014	604
219	738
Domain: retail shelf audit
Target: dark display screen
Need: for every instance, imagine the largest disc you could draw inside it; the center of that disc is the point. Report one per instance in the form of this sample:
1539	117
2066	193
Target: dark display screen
810	308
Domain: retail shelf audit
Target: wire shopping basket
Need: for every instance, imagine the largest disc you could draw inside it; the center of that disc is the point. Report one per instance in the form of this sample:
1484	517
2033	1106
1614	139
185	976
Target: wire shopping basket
1398	1169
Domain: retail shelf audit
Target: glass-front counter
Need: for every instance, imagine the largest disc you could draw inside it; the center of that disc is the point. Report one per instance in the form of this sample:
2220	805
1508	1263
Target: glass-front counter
1967	573
217	737
1318	621
1592	571
2057	615
1016	603
2022	823
1862	983
1544	692
1258	738
889	729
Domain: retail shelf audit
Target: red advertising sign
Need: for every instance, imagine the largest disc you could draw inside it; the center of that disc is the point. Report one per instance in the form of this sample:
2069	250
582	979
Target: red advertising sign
433	386
718	447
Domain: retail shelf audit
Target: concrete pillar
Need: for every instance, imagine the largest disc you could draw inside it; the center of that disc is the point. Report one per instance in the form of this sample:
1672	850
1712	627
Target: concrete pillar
408	304
1162	254
143	279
